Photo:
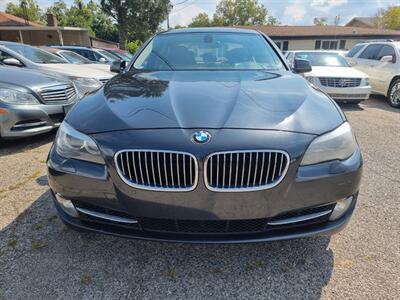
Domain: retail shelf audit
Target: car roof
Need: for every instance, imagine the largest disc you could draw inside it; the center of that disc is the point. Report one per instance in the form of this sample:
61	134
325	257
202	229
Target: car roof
210	29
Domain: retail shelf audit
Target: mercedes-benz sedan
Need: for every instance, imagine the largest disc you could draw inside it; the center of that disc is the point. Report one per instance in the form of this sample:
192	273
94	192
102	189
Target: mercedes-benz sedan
206	136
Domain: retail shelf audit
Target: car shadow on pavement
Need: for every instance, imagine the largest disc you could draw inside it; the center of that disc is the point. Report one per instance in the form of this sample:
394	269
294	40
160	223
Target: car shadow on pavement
41	257
380	102
14	146
350	107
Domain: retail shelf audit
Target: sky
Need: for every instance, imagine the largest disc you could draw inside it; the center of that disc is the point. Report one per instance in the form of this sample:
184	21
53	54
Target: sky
288	12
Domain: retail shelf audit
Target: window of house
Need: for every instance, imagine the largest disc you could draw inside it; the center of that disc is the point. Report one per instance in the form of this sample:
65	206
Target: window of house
330	44
283	45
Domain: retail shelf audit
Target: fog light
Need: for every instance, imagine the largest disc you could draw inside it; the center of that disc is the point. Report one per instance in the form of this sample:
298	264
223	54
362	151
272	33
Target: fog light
67	206
340	208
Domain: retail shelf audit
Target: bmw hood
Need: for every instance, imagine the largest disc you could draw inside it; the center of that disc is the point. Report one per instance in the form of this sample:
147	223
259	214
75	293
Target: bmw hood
207	99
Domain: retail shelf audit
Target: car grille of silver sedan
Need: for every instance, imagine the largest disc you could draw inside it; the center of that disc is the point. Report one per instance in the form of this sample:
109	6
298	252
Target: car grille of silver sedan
157	170
339	82
59	94
245	170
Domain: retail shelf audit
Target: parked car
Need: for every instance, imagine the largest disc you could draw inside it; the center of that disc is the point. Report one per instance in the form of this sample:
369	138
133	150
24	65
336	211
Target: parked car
333	75
207	136
121	54
381	62
74	58
85	78
32	102
92	54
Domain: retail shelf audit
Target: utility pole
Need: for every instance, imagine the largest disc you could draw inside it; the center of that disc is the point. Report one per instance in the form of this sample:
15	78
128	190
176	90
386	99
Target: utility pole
170	7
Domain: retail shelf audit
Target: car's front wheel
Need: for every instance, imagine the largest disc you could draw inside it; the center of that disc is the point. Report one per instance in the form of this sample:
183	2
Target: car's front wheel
394	93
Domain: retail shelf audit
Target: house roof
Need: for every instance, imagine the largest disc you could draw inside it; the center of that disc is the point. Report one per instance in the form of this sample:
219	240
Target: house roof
368	21
323	31
11	20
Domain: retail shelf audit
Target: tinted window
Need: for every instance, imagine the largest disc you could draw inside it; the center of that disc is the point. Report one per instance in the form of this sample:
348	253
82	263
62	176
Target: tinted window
354	50
74	58
36	55
85	53
323	59
208	51
371	52
386	51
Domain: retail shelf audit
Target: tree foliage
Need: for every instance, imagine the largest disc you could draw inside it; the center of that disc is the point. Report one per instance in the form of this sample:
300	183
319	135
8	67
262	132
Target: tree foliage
391	18
136	19
320	21
234	13
26	9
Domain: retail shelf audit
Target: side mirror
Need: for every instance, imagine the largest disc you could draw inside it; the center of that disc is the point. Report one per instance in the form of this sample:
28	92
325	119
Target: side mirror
301	66
388	58
102	60
117	66
11	61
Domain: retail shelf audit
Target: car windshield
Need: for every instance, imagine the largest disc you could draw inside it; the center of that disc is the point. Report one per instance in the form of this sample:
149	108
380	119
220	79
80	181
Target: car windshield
74	58
108	55
323	59
208	51
36	55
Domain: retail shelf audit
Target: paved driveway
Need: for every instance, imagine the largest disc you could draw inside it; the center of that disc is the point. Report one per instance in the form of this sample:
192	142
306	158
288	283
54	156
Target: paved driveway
40	258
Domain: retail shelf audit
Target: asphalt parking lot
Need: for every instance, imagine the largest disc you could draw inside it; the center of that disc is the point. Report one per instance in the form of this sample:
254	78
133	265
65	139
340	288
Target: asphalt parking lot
41	259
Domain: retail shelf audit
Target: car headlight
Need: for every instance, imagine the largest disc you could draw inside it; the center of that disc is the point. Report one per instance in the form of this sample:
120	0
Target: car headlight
366	81
338	144
17	97
71	143
86	85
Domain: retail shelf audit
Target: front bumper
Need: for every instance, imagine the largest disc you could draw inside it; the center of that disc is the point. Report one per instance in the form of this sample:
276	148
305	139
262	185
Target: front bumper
29	120
308	187
353	94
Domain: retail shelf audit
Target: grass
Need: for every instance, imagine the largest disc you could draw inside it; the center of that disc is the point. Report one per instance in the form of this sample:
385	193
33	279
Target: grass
37	245
86	279
171	273
12	243
37	226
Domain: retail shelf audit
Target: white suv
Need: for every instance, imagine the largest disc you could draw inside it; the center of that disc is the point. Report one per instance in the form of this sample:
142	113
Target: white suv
381	62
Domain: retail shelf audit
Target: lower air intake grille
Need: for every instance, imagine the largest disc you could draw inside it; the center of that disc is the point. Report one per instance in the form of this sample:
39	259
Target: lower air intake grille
157	170
245	170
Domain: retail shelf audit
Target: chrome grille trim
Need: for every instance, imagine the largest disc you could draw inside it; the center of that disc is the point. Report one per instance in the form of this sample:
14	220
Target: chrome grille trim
157	170
339	82
248	176
58	94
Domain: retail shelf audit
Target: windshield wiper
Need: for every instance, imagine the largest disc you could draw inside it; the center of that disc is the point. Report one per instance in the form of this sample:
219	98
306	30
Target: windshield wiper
164	60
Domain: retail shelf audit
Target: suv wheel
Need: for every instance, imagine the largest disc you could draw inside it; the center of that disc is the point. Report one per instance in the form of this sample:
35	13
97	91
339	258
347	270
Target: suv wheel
394	93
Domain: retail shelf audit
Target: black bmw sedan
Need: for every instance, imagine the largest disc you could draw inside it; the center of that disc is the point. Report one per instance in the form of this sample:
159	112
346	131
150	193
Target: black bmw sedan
206	136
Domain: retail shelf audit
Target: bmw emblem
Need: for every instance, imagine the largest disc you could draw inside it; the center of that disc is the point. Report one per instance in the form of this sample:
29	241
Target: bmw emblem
201	137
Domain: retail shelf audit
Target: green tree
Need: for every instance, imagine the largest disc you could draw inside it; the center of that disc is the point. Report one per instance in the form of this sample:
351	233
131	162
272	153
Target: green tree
60	10
131	47
26	9
391	18
201	20
236	12
88	15
241	12
136	19
320	21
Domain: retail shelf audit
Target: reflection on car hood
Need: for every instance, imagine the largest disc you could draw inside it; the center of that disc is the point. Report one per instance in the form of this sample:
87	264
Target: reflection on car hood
28	78
77	70
207	99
